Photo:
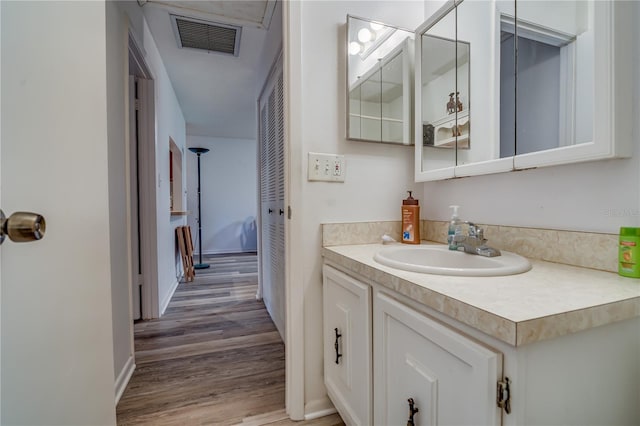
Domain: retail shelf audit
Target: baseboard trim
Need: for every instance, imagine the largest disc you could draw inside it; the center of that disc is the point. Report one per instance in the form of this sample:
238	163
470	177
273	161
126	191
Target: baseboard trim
123	378
319	408
321	413
229	252
167	299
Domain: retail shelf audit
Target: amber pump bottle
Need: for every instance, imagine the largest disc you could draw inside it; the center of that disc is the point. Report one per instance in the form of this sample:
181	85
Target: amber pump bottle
410	220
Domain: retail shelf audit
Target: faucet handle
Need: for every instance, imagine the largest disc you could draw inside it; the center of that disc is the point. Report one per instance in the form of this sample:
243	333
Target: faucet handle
473	229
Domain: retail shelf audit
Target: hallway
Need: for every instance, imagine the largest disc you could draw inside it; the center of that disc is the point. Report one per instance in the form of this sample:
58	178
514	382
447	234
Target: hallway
215	357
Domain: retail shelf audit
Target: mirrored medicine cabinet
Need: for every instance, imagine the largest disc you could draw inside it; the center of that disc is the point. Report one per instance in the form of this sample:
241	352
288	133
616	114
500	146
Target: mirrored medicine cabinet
499	86
510	85
380	82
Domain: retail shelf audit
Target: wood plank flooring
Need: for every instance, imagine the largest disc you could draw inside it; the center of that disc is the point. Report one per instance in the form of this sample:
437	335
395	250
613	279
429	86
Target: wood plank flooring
214	358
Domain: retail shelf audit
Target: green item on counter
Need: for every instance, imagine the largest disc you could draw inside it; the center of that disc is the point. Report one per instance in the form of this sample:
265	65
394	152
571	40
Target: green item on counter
629	253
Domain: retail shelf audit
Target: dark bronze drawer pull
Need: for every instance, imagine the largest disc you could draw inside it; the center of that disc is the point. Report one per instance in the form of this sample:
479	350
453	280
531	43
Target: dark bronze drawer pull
337	346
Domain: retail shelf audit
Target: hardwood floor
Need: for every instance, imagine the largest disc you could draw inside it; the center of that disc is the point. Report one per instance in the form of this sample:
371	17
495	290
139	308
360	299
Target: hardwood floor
215	357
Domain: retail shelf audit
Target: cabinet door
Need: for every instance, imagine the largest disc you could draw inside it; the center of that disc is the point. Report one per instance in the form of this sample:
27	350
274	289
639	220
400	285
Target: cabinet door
451	378
347	345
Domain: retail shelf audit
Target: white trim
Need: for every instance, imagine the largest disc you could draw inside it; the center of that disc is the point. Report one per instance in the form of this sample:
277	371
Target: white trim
123	378
147	172
137	54
216	252
320	413
294	238
128	96
167	299
259	200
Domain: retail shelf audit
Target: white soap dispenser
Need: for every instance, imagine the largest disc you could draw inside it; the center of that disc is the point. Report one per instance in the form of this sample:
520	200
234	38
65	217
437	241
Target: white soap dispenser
455	228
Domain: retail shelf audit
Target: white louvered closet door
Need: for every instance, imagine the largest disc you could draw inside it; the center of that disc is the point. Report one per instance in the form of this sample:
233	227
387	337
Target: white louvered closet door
265	221
272	198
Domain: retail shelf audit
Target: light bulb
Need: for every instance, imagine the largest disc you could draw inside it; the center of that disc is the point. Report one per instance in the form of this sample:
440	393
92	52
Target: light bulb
355	48
375	26
365	35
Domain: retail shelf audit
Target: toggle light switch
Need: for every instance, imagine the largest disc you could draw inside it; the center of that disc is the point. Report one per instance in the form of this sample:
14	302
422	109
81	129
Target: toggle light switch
326	167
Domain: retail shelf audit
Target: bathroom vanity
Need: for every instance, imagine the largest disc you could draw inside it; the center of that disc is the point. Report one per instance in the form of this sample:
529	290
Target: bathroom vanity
555	345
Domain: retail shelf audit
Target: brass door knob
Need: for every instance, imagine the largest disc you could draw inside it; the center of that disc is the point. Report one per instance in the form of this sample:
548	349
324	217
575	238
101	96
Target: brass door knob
22	227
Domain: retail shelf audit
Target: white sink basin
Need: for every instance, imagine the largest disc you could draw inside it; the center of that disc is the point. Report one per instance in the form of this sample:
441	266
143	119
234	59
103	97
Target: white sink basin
442	261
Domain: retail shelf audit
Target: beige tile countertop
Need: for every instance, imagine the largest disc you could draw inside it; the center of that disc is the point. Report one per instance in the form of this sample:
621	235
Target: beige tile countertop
550	300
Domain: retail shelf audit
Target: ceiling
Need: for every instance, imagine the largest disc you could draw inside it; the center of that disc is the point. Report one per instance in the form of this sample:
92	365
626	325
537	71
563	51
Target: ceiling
217	92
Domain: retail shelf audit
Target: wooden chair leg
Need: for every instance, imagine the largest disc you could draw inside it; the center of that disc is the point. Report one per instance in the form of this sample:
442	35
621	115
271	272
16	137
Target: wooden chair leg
186	263
189	247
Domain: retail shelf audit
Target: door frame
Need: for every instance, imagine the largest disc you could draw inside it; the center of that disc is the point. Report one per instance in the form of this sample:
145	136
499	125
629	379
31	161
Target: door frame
147	189
293	226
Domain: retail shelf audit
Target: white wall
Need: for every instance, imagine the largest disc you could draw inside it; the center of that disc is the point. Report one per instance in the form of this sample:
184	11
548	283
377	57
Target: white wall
377	175
229	187
170	123
57	357
600	196
272	46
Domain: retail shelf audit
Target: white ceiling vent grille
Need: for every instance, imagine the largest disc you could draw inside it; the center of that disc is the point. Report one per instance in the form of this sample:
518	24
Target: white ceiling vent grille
210	36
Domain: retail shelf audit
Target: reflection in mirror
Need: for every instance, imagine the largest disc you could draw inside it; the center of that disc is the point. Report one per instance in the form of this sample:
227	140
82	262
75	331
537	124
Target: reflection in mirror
438	94
507	88
392	97
554	89
380	82
371	107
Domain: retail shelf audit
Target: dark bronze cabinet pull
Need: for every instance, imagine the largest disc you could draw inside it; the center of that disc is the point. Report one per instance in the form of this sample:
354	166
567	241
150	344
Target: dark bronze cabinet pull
270	211
337	346
412	411
281	212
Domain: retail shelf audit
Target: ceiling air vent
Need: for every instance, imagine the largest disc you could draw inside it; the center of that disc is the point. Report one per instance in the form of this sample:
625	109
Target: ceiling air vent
210	36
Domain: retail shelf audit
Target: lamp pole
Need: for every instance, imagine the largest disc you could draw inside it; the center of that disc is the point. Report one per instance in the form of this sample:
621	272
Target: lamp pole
199	265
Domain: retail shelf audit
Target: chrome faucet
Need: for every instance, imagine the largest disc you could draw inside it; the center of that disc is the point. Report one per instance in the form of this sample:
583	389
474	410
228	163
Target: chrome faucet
474	242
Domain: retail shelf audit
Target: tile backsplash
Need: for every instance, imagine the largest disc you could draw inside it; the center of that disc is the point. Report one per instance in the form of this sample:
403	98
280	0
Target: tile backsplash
584	249
340	234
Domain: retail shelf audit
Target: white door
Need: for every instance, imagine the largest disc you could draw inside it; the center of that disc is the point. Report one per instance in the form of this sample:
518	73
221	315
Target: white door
420	363
272	213
56	340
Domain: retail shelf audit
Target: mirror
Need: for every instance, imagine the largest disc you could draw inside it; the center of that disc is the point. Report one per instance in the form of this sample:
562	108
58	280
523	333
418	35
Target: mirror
554	91
542	82
437	83
379	81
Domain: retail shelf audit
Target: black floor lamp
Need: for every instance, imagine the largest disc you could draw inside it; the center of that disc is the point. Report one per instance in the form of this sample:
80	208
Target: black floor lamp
199	265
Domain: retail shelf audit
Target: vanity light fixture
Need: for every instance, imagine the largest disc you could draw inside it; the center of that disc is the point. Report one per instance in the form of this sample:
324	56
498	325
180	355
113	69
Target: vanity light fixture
355	48
369	38
365	35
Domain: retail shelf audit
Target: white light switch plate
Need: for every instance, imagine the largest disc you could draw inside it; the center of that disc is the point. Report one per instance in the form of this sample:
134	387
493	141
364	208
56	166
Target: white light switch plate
326	167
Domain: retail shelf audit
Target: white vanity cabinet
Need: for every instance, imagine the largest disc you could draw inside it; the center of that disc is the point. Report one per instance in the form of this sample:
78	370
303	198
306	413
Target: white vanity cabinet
450	378
347	345
394	348
414	357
